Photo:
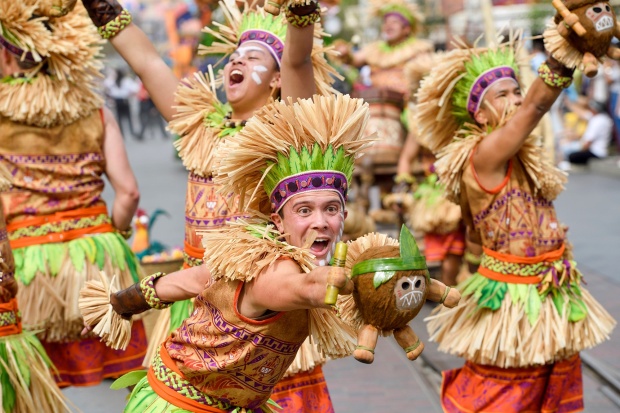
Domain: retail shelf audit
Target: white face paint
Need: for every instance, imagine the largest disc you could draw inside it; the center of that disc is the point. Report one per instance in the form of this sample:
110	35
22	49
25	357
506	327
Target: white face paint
322	263
255	73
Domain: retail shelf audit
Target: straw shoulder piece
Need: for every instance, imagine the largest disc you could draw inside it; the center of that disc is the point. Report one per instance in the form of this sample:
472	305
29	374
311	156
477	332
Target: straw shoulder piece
256	245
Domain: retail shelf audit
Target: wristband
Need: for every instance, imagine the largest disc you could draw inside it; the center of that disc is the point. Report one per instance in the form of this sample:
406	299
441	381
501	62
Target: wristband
147	286
303	16
552	78
116	25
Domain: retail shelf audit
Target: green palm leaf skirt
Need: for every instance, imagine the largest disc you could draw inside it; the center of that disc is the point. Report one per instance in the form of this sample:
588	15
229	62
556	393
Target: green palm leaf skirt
520	325
26	380
51	276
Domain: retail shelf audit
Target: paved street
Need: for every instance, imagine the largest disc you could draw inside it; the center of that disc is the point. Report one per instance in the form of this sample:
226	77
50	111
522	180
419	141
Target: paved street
590	206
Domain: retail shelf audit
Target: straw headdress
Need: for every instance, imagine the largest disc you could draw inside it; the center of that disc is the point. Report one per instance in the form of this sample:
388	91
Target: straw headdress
290	148
408	10
255	24
60	84
380	54
444	113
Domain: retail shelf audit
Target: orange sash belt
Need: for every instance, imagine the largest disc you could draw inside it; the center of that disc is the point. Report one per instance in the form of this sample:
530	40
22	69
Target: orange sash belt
548	257
59	218
194	252
10	329
173	396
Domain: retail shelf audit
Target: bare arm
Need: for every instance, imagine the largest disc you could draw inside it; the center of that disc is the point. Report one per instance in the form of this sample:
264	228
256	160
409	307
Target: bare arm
408	154
296	67
184	284
118	171
138	51
283	287
502	144
133	45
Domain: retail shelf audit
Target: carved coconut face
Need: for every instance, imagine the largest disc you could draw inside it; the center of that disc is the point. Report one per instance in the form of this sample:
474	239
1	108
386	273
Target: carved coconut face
409	292
601	16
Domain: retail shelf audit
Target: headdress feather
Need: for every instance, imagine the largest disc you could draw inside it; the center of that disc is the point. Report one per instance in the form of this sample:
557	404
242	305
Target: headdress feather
324	133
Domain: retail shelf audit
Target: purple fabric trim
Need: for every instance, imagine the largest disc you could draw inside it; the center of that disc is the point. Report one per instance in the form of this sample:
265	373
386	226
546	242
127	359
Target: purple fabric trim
401	16
308	182
22	54
484	82
273	42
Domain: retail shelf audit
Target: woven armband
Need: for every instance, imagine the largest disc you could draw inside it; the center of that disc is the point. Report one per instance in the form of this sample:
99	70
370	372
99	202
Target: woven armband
404	178
114	26
303	16
147	285
552	78
472	258
126	234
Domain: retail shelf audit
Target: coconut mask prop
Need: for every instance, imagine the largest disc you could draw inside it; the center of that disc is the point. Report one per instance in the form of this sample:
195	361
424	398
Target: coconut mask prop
391	283
581	33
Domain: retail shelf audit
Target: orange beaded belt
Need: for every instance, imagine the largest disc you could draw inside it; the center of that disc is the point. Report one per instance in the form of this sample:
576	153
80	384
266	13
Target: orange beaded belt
518	270
192	256
59	227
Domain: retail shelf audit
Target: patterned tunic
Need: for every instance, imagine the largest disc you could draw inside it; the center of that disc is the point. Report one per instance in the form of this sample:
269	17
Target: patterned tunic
230	357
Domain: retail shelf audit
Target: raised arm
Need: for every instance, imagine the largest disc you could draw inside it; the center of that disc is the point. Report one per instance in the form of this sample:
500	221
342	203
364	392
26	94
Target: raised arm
296	71
120	174
138	51
495	150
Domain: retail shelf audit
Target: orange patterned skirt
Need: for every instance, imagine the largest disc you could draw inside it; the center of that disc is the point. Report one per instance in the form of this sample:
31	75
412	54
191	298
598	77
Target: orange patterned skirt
555	388
88	361
304	392
438	246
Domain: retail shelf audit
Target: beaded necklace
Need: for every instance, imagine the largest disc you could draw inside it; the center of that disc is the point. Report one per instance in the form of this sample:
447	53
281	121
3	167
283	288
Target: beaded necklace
228	123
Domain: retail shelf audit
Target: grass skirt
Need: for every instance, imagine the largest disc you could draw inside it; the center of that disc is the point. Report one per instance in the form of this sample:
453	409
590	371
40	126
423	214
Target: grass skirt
25	377
51	276
510	325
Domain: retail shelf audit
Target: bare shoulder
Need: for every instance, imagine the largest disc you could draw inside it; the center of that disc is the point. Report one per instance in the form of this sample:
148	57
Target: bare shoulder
281	267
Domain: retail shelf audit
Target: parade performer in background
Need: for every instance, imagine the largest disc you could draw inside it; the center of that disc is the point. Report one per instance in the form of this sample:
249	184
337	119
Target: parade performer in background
26	382
263	286
525	314
427	211
387	94
261	67
58	141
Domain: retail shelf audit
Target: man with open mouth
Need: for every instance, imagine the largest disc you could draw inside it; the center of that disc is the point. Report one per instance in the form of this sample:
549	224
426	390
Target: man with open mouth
268	57
525	314
262	289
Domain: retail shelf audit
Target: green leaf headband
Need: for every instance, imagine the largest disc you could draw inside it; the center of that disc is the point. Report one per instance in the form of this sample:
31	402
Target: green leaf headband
385	268
308	170
475	68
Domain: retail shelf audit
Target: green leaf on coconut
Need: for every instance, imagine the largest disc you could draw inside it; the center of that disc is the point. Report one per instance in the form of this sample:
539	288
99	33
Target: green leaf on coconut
381	277
408	246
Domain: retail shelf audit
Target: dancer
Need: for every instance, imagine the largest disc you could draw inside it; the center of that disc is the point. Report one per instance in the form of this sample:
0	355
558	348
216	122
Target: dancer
524	315
27	385
263	285
387	94
262	65
57	141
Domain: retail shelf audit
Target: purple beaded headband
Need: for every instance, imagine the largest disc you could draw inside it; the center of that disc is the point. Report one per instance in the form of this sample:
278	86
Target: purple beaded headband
310	181
484	82
401	16
273	43
17	51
